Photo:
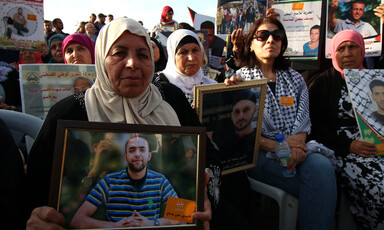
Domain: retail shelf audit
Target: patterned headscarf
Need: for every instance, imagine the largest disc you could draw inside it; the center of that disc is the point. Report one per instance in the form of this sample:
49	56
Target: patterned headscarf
346	36
82	40
104	104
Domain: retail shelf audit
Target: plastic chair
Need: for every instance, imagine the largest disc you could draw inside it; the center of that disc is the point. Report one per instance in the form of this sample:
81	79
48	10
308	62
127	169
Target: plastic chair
345	220
21	124
287	203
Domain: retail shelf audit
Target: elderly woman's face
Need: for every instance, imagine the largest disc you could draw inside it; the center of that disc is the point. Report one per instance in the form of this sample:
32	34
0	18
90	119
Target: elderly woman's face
348	55
56	51
129	65
77	54
28	57
188	59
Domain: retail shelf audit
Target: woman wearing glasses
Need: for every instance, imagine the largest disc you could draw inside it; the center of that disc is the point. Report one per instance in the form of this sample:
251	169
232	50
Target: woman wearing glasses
287	112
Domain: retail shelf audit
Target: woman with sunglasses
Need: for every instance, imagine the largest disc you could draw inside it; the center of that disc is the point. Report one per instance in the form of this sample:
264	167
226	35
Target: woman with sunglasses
287	112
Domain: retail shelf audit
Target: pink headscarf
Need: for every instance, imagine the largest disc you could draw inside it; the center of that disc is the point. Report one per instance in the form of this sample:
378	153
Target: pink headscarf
346	36
80	39
164	13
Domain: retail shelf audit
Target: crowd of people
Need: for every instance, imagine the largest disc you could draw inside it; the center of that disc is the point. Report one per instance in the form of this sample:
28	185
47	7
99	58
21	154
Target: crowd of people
140	82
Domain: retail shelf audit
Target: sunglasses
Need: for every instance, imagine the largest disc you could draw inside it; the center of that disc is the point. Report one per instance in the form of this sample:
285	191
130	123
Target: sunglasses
263	35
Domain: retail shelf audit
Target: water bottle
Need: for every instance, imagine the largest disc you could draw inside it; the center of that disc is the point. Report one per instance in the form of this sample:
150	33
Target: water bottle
283	152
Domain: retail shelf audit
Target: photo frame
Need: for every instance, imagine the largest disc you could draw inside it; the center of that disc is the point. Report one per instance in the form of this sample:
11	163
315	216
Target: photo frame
89	155
366	89
236	137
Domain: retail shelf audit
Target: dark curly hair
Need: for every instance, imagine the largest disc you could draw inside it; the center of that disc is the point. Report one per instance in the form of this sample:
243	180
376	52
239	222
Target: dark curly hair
248	57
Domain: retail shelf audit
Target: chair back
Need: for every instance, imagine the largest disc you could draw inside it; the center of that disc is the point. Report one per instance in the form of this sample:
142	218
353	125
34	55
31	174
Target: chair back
21	124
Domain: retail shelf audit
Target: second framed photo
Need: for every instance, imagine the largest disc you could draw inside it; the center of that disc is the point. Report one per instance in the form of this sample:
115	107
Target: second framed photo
233	117
125	176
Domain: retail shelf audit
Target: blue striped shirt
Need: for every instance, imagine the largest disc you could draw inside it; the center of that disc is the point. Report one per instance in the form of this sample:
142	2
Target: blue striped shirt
120	198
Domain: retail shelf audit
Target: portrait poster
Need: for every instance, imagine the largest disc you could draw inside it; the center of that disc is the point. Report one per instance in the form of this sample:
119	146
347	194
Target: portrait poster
22	24
125	171
366	90
233	117
42	85
300	19
240	14
340	15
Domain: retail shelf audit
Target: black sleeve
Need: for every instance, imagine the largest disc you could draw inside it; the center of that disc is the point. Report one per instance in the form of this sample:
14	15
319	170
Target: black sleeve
323	105
13	193
188	117
231	59
41	154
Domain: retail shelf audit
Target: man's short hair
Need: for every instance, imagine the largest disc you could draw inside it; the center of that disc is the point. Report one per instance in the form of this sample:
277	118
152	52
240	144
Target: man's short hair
150	139
55	21
359	2
207	25
314	27
47	21
374	83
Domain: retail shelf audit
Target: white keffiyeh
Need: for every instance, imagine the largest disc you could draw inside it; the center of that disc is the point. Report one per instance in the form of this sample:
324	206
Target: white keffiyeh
279	119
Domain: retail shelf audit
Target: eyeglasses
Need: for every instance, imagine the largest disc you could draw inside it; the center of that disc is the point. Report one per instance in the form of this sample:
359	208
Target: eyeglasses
263	35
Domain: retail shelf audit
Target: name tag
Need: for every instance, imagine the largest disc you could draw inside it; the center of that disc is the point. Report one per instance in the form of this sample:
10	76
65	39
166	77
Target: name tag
179	209
286	101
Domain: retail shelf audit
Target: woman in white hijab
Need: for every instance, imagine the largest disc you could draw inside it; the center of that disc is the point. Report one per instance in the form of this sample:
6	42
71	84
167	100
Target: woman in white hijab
185	57
122	93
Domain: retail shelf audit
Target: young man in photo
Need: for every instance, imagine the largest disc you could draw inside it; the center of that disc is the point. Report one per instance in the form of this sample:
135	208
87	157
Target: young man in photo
131	197
377	89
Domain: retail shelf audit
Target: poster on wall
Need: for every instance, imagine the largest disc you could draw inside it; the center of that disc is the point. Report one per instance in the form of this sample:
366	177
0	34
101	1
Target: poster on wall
301	21
22	24
231	15
355	15
43	85
366	90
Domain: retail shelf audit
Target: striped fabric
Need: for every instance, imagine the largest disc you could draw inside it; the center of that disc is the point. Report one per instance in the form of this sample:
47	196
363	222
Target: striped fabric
120	198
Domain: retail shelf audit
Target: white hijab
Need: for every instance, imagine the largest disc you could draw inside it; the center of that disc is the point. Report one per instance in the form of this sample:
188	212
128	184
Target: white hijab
184	82
105	105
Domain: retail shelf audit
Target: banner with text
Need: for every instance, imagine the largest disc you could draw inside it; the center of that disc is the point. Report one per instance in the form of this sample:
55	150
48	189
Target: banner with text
45	84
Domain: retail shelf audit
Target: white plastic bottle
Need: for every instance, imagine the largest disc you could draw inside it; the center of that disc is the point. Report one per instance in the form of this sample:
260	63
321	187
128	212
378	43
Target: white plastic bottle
283	152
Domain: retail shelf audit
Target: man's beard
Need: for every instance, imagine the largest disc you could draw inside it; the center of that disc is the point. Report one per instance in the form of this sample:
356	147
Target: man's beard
132	167
243	127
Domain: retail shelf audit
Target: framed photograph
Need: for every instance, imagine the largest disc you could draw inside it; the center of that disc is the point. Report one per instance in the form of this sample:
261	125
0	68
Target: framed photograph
124	176
233	117
366	90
